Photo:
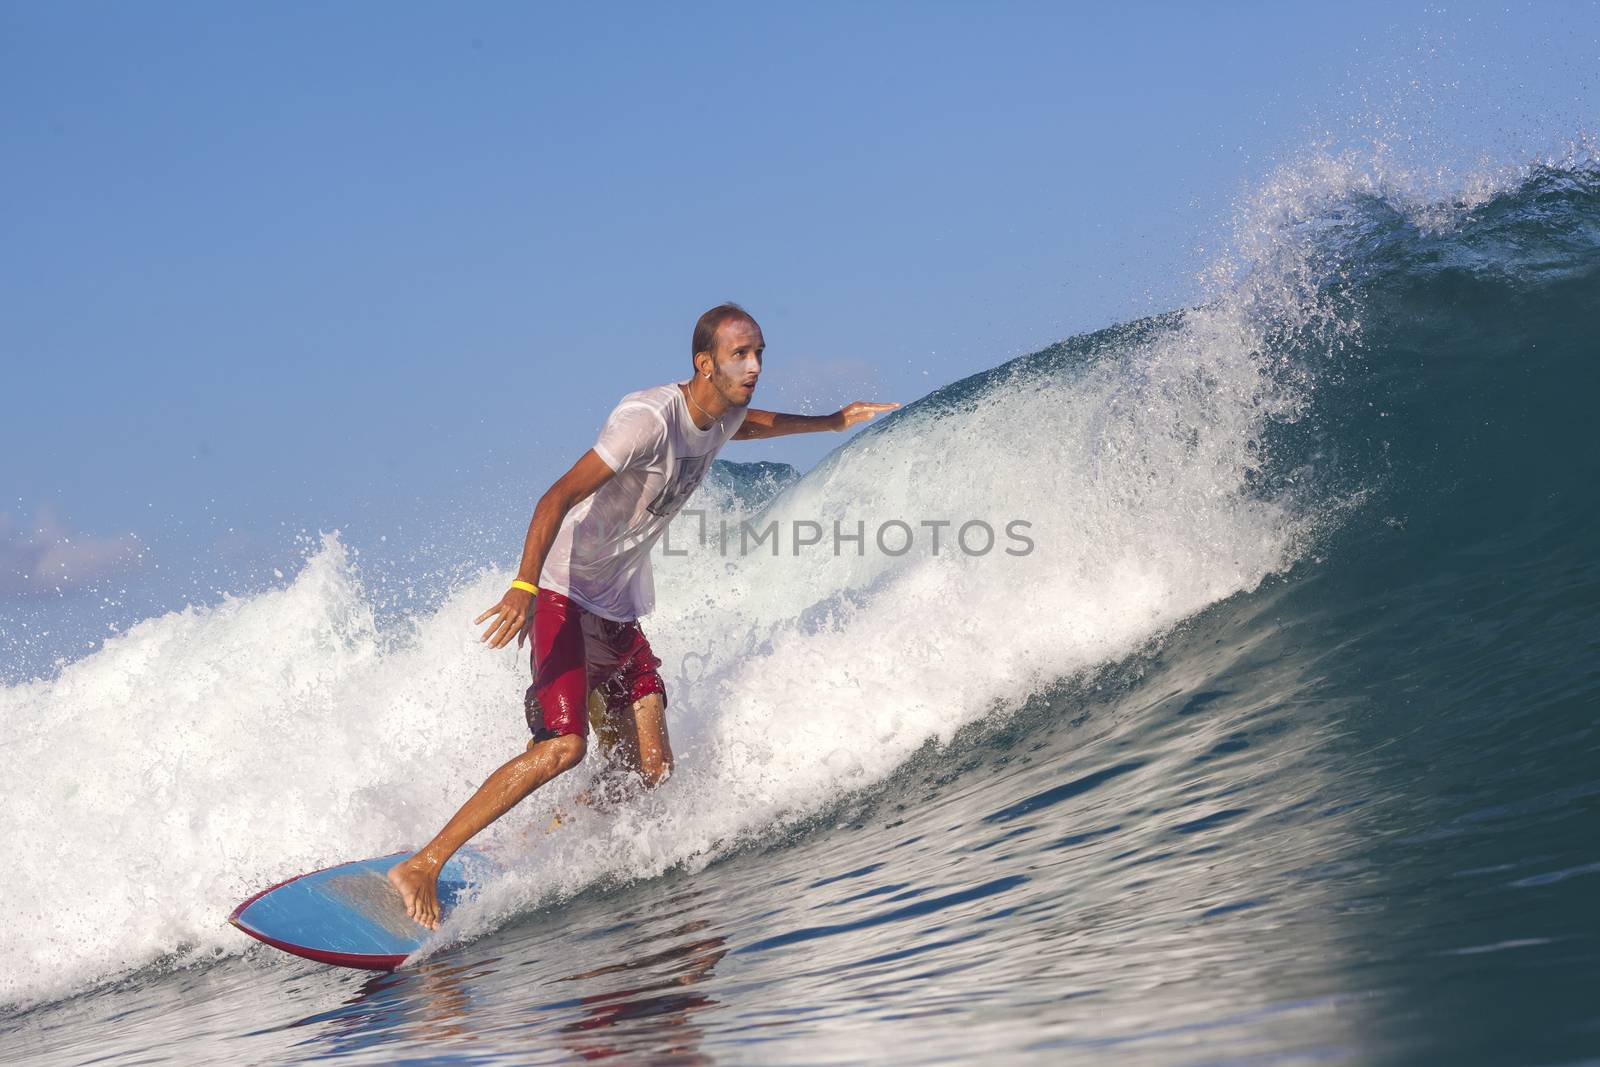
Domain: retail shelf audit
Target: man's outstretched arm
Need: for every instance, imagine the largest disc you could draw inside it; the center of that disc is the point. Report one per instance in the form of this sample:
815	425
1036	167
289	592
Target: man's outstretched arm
760	424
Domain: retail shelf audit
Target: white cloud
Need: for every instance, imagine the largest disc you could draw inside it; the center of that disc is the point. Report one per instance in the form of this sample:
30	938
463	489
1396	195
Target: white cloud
46	555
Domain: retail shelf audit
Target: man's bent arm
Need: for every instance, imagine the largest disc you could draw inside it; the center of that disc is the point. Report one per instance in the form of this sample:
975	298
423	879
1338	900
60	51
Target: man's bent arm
511	614
759	424
571	489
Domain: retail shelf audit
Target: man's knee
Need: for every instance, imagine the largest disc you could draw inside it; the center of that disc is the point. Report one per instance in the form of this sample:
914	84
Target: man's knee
656	771
566	750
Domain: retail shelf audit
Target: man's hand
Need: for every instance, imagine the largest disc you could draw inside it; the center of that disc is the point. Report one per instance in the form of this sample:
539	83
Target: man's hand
510	619
860	411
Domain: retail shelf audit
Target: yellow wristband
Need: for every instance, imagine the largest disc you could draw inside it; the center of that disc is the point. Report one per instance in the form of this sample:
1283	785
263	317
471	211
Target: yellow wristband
526	587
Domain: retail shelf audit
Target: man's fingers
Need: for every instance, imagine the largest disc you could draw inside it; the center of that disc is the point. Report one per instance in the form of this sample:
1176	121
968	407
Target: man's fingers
862	410
486	614
496	624
507	623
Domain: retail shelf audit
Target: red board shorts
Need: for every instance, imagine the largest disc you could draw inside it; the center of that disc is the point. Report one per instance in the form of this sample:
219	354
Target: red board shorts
575	651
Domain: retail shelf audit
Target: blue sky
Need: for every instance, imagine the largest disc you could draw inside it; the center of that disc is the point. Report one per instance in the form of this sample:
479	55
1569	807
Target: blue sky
364	265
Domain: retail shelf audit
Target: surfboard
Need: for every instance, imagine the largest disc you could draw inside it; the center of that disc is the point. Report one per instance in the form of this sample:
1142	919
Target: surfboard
349	915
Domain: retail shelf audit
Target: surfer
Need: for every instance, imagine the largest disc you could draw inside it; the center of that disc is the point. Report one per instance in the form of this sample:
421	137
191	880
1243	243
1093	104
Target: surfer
585	581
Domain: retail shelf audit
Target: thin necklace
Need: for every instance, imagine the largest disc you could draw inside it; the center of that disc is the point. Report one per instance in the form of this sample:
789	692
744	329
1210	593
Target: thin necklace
696	403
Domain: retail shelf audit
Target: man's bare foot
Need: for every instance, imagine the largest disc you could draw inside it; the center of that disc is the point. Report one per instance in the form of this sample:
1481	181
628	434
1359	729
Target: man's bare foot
418	884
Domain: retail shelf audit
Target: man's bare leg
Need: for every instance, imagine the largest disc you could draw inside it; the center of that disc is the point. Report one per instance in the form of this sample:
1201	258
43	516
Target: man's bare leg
633	743
647	747
417	878
607	732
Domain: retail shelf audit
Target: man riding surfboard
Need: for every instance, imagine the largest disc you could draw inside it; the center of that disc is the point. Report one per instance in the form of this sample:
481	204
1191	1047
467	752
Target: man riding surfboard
585	580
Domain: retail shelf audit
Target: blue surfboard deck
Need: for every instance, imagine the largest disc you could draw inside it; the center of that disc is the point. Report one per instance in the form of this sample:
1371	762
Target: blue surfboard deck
349	915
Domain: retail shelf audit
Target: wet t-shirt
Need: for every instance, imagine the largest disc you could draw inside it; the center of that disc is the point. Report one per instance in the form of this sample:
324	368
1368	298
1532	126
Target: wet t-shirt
600	558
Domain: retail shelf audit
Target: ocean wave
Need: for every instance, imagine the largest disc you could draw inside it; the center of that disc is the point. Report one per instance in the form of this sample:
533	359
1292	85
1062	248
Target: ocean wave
1380	379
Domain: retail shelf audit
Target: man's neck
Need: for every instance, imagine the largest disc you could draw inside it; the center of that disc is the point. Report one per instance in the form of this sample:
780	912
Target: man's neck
705	403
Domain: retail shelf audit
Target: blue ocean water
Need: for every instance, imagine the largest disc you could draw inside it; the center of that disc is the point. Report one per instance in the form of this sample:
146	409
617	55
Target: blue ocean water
1282	745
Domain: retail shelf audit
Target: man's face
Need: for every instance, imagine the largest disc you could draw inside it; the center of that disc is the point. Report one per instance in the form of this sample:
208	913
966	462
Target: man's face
736	360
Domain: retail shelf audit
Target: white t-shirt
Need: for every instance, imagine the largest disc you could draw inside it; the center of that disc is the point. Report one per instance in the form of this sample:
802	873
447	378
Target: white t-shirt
601	555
